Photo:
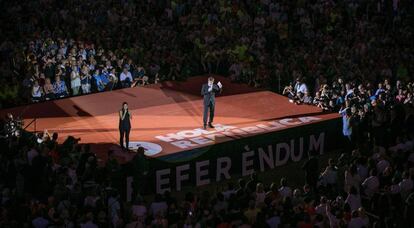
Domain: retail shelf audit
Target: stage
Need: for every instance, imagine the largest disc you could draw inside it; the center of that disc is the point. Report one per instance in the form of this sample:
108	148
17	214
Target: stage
167	118
254	130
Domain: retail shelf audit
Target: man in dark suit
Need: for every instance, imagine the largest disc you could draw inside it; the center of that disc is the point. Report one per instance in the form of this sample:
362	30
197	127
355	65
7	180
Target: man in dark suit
209	91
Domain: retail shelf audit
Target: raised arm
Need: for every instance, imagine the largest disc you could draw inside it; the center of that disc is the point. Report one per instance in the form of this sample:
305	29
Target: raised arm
217	89
342	112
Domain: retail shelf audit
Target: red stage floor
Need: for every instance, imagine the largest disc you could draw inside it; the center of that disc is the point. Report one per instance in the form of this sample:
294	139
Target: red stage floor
160	110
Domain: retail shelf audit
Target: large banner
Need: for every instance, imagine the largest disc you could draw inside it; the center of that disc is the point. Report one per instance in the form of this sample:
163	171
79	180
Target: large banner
214	163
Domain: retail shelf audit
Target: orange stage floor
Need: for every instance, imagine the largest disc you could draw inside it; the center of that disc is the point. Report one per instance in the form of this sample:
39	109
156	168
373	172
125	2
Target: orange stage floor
160	110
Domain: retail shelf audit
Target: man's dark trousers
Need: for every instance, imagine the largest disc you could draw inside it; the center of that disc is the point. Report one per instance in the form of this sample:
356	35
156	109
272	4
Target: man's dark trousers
210	106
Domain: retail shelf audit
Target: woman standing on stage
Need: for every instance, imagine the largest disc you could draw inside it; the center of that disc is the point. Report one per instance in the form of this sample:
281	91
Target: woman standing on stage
124	125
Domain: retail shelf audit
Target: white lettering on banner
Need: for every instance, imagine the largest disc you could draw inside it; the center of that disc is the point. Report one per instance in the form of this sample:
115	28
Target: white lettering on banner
239	132
289	122
271	127
184	144
162	181
266	158
200	173
296	157
169	137
179	177
247	165
257	159
214	135
317	144
204	132
192	138
223	170
282	149
230	134
221	127
202	141
253	129
308	119
189	133
277	125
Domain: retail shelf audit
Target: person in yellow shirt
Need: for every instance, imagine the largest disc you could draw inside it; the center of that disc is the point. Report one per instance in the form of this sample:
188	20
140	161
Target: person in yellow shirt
251	213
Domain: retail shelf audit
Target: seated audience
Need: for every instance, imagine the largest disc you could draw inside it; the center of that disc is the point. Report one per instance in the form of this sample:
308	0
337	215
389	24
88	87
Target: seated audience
126	78
59	88
37	92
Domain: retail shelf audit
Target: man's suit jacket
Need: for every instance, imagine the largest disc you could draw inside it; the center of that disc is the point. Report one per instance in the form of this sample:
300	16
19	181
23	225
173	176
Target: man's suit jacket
210	96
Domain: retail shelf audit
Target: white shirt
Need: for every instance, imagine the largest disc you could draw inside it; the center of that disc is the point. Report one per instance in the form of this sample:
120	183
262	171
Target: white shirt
301	88
75	79
285	191
124	76
371	184
352	181
36	92
354	201
382	165
330	176
210	87
112	77
349	93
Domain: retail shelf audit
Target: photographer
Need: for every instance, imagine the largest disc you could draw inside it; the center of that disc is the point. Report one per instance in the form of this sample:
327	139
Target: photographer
288	91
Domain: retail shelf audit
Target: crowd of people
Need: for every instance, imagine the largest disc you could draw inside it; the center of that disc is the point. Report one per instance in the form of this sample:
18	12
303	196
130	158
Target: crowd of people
47	184
373	111
88	44
61	68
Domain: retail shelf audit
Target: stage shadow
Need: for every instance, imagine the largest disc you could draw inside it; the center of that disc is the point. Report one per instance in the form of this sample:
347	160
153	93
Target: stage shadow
81	112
